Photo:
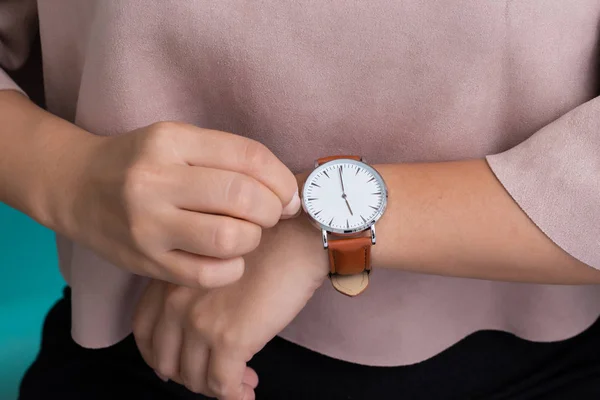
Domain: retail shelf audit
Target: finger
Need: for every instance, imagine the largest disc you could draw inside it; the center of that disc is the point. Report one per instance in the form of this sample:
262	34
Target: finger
217	191
248	393
194	363
215	149
166	345
226	374
168	335
146	317
211	235
196	271
250	378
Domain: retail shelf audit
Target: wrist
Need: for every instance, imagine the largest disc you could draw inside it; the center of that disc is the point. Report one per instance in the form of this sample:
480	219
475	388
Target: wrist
297	242
309	232
312	240
38	150
67	149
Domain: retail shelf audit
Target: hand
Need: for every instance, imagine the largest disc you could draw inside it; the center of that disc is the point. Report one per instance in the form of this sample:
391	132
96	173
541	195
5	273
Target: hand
178	203
204	338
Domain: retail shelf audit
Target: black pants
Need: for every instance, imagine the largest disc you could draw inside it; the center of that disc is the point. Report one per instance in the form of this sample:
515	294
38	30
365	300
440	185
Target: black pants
485	365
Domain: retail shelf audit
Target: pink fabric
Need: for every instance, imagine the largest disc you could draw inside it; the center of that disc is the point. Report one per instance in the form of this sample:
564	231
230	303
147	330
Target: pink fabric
395	81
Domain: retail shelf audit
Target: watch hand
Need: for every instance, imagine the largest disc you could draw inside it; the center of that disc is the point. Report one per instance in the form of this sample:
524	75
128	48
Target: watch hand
342	180
348	204
344	191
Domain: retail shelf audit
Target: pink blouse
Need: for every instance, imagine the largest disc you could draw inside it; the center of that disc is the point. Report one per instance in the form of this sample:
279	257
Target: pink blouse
395	81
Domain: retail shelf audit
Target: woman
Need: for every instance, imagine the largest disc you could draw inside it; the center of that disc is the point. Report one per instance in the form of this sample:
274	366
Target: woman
481	118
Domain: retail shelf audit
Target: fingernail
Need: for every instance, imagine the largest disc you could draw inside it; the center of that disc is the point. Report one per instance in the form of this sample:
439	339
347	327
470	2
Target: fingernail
293	207
161	377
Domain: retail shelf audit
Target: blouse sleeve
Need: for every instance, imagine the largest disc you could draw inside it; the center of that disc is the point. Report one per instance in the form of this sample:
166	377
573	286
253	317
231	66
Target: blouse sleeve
554	176
18	21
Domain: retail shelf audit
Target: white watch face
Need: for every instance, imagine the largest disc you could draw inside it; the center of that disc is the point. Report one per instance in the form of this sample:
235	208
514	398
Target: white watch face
344	196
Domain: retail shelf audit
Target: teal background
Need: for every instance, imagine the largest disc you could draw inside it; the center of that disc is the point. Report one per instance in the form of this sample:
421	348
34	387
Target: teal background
30	284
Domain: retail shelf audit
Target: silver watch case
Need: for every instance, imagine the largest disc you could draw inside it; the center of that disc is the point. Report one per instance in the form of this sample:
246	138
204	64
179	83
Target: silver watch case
325	230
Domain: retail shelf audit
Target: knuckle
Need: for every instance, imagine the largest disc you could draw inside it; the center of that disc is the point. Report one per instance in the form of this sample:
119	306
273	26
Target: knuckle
205	276
162	129
240	194
228	339
210	276
218	387
162	135
252	201
192	384
256	154
155	136
176	300
272	214
254	235
225	237
235	341
166	369
197	321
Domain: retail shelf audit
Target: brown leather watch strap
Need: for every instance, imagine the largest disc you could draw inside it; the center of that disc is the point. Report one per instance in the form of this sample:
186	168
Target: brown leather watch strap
350	264
350	256
350	285
323	160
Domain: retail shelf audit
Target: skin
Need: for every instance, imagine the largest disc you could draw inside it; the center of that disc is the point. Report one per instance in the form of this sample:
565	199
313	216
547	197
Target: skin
456	219
451	219
139	200
203	339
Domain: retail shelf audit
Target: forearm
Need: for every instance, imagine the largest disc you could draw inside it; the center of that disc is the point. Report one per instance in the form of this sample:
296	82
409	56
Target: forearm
456	219
37	151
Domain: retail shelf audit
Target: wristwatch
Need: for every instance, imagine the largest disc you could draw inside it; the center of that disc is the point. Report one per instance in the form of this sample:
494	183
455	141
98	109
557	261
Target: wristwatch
344	197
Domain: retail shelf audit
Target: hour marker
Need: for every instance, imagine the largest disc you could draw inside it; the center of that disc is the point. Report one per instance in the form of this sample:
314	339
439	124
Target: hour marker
374	208
314	184
347	225
312	198
326	174
357	171
331	222
376	193
318	212
364	220
372	179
